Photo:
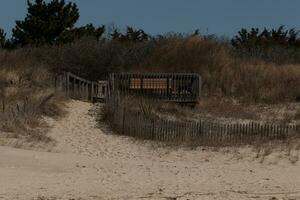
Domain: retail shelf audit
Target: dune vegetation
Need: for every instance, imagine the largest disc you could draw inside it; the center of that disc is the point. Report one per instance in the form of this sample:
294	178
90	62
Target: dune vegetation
254	67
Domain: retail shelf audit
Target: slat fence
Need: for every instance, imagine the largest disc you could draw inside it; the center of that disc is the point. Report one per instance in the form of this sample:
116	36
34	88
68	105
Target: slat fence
200	132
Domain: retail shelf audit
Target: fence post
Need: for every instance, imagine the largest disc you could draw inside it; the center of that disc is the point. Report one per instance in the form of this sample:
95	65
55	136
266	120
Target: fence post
73	87
68	83
152	128
123	120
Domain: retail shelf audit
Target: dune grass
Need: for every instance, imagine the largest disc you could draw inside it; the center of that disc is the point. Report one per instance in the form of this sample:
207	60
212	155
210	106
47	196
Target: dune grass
26	95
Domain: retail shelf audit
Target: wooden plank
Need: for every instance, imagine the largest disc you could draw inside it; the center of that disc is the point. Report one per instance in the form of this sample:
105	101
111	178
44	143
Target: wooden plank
235	133
68	83
158	130
243	135
166	130
228	130
198	131
163	138
79	78
178	131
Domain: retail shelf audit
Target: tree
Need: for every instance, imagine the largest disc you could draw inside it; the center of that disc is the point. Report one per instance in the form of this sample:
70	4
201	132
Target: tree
255	39
45	22
131	35
2	38
4	43
85	31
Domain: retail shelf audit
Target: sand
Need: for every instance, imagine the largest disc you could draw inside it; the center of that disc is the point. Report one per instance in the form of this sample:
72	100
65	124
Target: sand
88	162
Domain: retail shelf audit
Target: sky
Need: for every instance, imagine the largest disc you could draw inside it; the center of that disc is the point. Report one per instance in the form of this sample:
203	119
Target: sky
220	17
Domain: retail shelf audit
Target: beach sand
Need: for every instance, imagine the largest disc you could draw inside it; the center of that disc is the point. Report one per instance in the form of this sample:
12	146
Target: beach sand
88	162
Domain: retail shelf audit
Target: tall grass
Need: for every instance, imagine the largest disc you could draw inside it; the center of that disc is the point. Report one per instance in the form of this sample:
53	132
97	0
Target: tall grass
225	73
26	93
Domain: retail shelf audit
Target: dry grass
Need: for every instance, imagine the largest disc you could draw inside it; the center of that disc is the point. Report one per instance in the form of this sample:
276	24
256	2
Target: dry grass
225	108
45	198
26	94
224	74
227	76
273	151
173	116
297	115
217	110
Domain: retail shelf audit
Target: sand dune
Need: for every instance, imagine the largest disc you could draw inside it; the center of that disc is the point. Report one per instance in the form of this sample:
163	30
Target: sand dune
90	163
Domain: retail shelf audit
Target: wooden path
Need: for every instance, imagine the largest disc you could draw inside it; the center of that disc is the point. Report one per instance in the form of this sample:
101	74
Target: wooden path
79	88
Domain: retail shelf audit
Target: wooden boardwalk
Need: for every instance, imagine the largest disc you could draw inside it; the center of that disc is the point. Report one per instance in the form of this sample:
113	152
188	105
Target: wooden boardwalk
136	124
79	88
172	87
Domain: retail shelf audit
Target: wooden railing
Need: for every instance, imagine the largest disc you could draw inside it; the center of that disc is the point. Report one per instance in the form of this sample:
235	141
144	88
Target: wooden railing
202	132
78	88
172	87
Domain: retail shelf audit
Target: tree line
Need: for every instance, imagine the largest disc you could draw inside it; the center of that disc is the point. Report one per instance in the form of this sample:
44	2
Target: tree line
53	23
256	39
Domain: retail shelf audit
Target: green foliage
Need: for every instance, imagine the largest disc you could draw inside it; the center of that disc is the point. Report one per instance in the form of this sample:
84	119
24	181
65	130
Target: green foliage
4	42
131	35
255	39
85	31
2	38
45	22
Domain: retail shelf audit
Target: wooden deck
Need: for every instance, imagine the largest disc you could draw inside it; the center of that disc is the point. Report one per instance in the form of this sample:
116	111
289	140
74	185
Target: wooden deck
178	87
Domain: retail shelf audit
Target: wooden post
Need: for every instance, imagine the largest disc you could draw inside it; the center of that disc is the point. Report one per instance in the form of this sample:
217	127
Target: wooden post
83	90
153	128
87	91
92	91
80	89
123	120
68	84
73	87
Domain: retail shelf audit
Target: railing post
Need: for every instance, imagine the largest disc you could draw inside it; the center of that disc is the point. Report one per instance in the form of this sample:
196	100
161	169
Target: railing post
68	84
92	91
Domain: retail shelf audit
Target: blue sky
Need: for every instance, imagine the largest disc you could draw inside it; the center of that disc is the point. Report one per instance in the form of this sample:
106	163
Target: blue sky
221	17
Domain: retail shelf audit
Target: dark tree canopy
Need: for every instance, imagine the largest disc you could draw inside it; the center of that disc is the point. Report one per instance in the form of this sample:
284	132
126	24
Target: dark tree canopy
2	38
131	35
45	22
4	42
85	31
256	39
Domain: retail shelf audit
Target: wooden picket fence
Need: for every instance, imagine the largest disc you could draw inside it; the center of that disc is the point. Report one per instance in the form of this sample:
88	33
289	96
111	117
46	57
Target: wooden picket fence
200	132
